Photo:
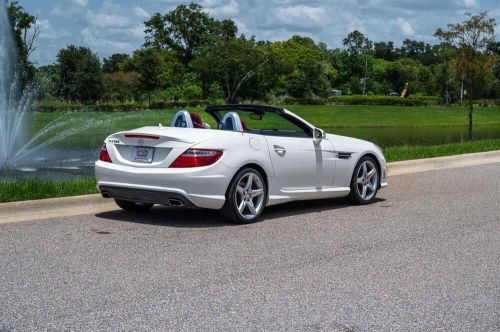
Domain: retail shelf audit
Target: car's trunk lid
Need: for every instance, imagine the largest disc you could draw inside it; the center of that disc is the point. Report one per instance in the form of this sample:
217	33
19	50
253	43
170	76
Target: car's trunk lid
155	146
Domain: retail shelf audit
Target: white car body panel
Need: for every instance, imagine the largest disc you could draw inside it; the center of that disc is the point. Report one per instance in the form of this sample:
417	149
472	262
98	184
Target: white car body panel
308	169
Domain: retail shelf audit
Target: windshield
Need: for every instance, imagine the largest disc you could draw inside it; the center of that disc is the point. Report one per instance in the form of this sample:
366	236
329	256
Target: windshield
263	123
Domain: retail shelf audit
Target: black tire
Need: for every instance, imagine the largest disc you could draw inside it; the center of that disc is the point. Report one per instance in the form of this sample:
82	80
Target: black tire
230	209
133	206
355	196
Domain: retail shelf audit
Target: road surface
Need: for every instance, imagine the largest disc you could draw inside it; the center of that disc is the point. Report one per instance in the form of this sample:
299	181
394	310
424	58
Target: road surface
425	256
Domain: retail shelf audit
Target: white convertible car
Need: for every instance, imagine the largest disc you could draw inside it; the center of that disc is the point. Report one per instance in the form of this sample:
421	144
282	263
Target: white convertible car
256	157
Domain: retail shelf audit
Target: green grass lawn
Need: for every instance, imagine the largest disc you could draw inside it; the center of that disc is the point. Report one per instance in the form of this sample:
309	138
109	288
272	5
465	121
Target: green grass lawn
29	189
328	116
394	116
398	153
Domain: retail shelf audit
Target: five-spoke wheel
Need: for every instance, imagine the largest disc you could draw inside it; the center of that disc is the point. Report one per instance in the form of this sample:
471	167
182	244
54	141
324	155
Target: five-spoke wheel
246	197
365	181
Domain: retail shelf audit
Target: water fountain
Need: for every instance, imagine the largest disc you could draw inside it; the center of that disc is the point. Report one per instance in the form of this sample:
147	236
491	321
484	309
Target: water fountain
21	149
13	104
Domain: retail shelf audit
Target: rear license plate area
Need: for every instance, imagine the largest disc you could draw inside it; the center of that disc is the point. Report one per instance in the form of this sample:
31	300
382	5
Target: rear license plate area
143	154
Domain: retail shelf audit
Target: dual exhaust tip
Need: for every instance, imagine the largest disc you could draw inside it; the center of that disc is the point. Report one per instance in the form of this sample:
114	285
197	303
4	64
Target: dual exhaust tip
171	201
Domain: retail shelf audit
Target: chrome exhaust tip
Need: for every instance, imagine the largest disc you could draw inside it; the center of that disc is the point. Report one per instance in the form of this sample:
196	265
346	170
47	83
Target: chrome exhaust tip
175	202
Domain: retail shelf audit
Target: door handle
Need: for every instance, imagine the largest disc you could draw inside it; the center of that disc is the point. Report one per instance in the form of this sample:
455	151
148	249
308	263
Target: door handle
279	149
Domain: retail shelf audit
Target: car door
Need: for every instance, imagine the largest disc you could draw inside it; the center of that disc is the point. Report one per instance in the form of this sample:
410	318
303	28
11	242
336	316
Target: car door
301	163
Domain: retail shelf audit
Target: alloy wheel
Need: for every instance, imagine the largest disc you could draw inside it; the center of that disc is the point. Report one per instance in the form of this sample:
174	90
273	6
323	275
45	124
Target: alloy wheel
367	180
249	196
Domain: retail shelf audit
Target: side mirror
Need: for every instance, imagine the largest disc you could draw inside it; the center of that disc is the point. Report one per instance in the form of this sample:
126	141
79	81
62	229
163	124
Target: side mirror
319	134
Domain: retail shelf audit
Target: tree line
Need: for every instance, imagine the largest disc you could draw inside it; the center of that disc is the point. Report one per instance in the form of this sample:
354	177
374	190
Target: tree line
189	55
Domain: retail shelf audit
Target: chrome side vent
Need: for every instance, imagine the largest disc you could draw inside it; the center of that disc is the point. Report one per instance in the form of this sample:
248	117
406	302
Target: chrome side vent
344	155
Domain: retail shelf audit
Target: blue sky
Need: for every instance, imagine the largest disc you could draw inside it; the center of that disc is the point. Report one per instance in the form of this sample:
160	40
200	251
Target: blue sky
116	26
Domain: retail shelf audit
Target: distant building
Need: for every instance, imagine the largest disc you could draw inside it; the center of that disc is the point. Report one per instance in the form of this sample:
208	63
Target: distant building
334	93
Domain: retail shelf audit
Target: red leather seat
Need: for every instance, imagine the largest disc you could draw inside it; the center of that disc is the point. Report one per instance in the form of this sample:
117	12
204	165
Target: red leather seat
196	118
244	125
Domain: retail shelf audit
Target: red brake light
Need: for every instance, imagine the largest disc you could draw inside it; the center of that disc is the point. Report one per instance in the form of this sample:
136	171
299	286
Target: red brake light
105	155
197	158
142	136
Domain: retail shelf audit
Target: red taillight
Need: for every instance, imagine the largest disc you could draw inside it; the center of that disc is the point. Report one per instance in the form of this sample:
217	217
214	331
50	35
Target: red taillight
105	155
196	158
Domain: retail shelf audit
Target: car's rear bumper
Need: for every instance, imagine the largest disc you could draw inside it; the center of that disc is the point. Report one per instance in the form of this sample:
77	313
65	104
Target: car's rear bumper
145	196
203	187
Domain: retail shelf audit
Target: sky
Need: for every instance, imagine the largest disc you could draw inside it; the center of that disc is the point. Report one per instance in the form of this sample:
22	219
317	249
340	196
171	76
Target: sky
117	26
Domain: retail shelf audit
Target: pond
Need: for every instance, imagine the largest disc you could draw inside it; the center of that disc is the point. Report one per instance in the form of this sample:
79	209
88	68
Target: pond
67	163
397	136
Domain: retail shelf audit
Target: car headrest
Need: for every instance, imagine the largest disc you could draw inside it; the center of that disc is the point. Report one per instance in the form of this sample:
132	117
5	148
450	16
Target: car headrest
231	121
182	119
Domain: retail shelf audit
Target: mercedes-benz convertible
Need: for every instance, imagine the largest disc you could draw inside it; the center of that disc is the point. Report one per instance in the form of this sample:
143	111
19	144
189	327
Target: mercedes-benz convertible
255	156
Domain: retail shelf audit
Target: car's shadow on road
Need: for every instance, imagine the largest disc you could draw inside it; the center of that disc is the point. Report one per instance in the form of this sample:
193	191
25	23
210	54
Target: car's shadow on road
201	218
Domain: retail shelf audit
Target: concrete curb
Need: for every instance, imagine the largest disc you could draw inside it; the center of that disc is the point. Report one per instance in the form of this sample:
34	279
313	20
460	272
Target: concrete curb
79	205
431	164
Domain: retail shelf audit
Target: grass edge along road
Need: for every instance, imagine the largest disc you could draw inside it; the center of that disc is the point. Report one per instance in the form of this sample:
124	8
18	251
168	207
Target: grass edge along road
33	188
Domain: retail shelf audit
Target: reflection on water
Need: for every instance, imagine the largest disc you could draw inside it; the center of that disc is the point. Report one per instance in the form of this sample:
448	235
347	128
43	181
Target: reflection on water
56	164
417	136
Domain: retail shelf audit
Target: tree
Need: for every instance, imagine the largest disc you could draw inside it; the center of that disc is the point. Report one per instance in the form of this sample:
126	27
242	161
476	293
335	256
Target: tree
26	31
472	63
306	70
185	29
357	43
230	62
150	65
120	85
112	64
80	77
384	50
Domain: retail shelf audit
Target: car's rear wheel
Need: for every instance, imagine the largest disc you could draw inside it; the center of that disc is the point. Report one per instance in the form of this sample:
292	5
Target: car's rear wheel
133	206
365	182
246	197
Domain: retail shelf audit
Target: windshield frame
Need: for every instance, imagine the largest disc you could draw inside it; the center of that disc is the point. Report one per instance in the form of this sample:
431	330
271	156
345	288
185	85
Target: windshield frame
214	111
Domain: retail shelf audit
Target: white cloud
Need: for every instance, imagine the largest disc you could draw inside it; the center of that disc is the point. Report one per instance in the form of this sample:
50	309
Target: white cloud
48	32
405	26
467	3
93	39
70	11
82	3
221	8
102	20
300	17
140	12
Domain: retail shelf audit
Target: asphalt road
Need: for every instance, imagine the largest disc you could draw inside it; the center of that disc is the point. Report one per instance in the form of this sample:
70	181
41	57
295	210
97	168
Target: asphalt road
425	256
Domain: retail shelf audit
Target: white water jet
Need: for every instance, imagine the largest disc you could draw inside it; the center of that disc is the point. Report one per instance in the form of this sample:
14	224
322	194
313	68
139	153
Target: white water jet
19	146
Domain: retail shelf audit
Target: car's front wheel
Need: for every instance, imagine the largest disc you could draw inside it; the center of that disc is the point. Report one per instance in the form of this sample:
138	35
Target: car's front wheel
133	206
246	197
365	181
